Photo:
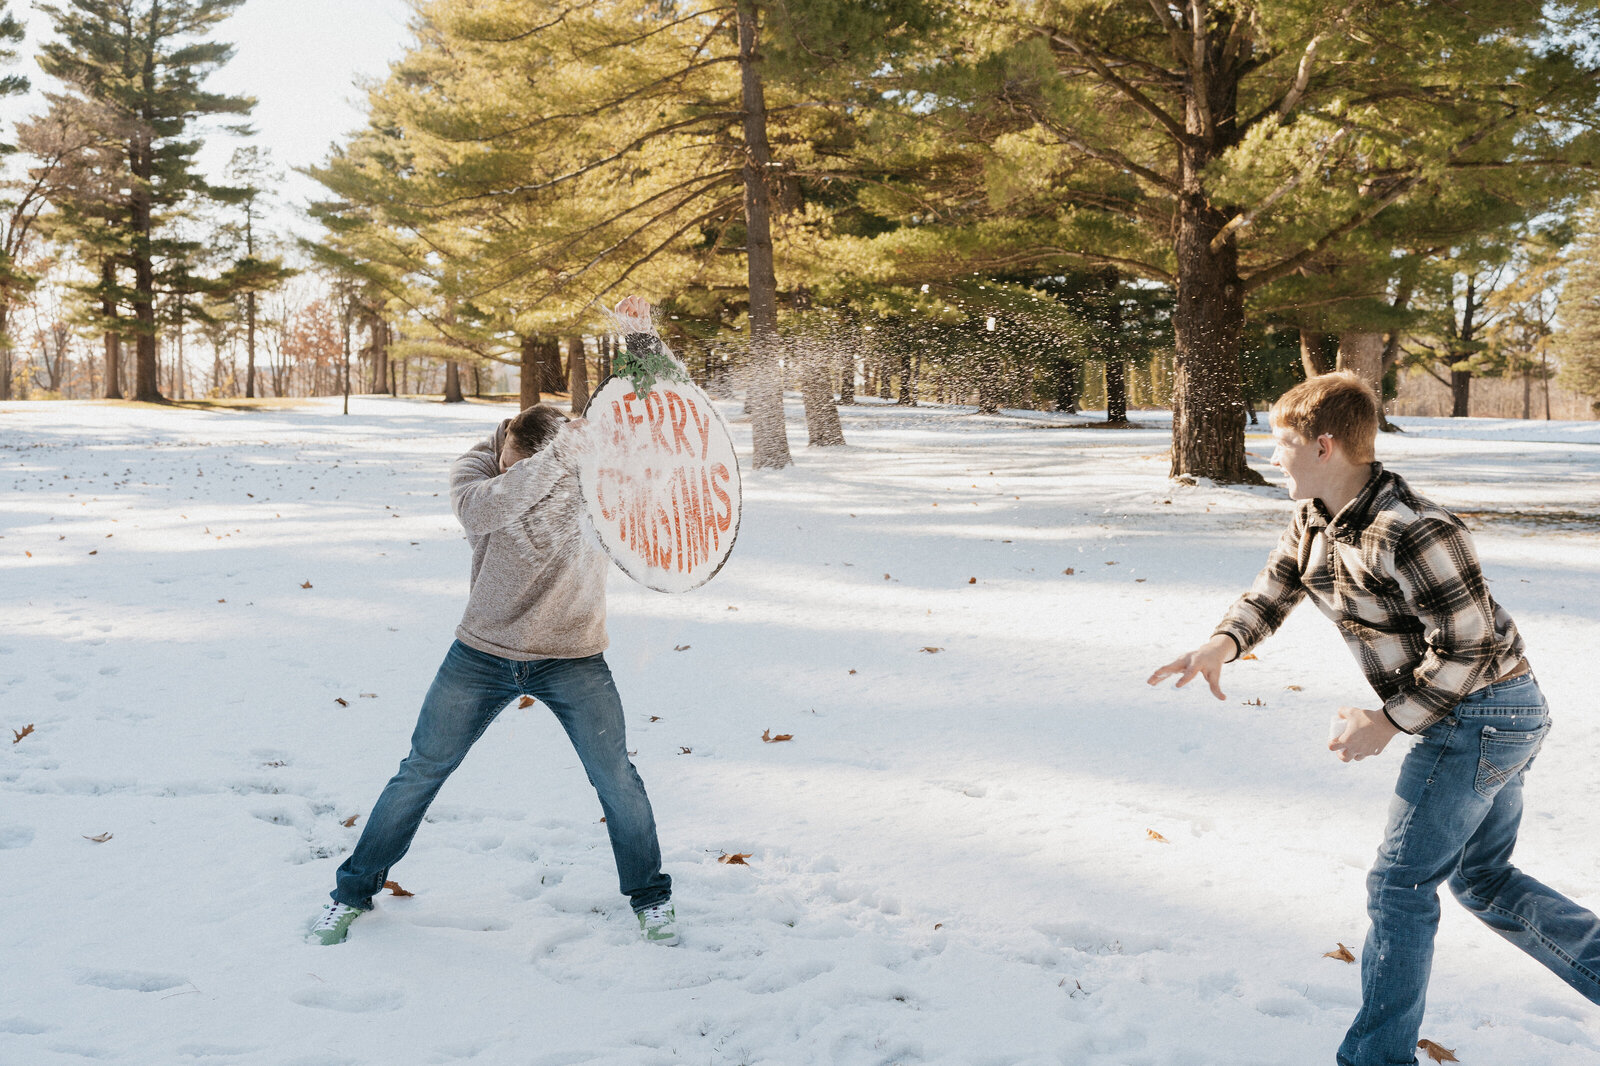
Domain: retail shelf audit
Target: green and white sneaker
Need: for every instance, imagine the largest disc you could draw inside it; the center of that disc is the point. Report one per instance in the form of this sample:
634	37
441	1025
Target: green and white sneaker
658	924
334	925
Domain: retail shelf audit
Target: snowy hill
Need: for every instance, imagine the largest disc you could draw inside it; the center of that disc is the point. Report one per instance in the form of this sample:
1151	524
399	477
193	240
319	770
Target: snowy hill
989	842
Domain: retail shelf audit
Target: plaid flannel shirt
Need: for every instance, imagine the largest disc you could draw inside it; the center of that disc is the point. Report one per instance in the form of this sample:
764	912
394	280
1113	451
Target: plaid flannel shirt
1398	575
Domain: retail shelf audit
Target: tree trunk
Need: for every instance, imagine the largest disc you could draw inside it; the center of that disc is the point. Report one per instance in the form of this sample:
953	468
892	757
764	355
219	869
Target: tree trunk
1362	355
551	376
768	432
1318	353
1460	393
847	371
1461	380
603	361
250	345
142	166
577	375
908	384
532	372
1116	392
5	355
345	382
113	342
378	332
822	418
452	383
1208	322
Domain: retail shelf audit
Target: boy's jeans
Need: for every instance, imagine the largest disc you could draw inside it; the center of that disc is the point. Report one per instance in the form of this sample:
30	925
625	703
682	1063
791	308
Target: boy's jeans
470	689
1455	814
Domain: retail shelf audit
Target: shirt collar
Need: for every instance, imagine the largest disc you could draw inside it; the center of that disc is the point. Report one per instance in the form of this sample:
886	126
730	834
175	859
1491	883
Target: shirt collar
1354	516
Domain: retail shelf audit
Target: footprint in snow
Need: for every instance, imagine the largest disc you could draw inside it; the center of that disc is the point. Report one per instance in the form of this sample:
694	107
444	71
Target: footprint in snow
25	1027
15	836
131	980
349	1001
275	816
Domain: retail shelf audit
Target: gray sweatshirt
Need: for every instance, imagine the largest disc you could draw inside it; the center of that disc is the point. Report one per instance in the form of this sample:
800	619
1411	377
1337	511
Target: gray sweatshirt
538	581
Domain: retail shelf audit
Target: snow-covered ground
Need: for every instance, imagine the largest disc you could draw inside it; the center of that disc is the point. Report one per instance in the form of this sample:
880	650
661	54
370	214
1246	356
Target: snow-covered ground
220	623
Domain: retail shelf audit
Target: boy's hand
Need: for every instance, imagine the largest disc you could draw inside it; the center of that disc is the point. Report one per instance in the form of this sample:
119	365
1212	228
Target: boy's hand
1367	733
634	307
1205	660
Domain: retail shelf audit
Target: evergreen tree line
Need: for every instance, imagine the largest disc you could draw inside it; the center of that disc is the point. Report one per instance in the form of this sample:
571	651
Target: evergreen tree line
983	201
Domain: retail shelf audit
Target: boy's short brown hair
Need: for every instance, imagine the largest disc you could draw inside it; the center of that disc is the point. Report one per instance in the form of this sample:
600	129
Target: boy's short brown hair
1339	404
535	427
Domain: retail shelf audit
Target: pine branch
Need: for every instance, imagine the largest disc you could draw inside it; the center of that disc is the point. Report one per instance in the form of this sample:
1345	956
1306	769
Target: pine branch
1110	77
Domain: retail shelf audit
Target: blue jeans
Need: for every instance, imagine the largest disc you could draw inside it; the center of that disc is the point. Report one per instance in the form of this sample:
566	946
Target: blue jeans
471	688
1454	815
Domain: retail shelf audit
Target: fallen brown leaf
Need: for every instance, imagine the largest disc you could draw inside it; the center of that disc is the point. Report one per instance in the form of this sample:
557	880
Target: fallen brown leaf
736	859
931	650
685	751
96	552
1248	655
367	695
938	925
972	581
395	889
1157	837
526	701
350	822
1069	571
1342	954
766	735
101	839
305	584
680	647
852	671
1111	562
341	701
1437	1053
25	731
1294	688
655	718
1257	702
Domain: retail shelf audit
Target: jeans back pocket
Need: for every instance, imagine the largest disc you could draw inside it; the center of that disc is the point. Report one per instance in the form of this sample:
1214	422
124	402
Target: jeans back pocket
1504	753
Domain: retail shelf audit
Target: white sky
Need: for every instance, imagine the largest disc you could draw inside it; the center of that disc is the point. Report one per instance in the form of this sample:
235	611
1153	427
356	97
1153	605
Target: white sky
302	60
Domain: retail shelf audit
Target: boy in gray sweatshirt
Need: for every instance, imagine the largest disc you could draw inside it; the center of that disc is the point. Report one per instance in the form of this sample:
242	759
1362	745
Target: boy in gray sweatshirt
534	626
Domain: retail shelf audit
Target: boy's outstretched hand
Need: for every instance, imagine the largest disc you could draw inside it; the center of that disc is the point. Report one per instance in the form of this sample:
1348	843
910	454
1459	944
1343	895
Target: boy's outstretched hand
1367	733
1205	660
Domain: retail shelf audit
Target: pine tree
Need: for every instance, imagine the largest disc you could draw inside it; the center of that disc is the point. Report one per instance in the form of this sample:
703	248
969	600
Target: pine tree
629	168
1577	343
1224	148
136	67
19	207
253	271
11	33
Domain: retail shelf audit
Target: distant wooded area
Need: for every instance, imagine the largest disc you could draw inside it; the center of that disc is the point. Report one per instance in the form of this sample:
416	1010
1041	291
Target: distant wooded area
1053	204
